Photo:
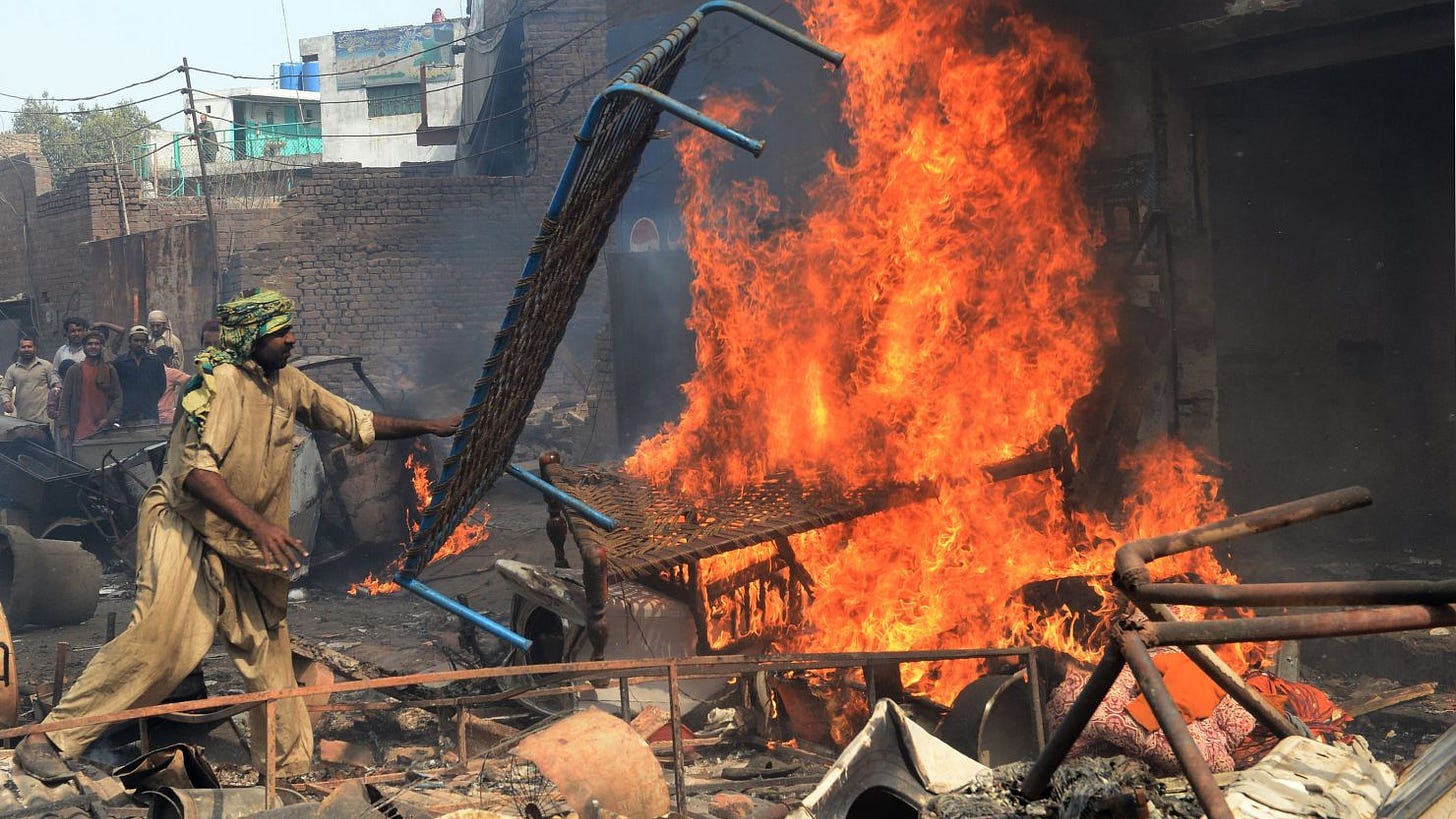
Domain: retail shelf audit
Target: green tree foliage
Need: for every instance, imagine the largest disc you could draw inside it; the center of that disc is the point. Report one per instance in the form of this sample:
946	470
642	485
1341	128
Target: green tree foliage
70	139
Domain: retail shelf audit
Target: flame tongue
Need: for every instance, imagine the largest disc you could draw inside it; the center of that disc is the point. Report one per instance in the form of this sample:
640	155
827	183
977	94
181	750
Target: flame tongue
469	533
932	311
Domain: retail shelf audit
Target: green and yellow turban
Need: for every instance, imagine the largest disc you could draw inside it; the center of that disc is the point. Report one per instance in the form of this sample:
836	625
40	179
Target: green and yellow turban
242	322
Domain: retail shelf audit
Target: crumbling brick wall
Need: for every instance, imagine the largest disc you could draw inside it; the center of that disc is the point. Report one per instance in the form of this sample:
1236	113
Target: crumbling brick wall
46	230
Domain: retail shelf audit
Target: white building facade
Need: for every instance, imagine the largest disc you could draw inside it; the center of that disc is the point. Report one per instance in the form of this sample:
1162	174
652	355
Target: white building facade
370	101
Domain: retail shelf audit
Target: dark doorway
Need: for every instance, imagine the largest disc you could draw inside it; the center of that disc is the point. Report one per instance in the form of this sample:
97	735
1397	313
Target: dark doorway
1332	222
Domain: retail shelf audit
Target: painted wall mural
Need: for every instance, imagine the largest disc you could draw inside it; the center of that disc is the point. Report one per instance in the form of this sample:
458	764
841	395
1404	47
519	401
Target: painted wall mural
393	56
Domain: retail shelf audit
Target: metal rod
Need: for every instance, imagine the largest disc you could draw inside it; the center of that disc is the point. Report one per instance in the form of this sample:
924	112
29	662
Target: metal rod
690	667
58	672
626	699
1033	682
1034	784
596	518
1175	730
472	616
1345	593
1218	671
675	714
460	734
688	114
1130	566
774	27
270	757
1300	626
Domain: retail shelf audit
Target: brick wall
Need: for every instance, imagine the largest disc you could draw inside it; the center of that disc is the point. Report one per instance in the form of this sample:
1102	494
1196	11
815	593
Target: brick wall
46	236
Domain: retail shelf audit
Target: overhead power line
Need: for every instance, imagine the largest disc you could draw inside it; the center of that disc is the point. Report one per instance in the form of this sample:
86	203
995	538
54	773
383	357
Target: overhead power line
93	96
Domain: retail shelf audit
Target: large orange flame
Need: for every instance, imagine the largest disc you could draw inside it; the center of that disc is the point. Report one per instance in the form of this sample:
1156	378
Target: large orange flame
469	533
932	311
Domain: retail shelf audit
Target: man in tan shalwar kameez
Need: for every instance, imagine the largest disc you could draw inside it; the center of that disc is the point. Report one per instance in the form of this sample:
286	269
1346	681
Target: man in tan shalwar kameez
213	549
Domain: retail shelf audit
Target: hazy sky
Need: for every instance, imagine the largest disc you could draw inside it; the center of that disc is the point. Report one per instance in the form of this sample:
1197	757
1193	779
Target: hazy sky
78	49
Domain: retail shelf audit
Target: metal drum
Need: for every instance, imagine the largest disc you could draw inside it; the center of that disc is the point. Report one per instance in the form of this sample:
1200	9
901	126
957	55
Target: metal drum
992	720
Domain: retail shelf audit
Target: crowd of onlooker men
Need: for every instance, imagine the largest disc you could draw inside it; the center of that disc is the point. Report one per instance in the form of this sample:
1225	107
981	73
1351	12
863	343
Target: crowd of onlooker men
79	392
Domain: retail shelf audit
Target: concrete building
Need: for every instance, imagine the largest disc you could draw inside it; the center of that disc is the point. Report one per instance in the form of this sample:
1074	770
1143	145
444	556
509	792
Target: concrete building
370	97
257	130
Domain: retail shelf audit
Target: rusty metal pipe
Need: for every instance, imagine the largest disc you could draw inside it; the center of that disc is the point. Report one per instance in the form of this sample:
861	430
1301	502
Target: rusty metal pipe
1130	570
1301	626
1345	593
1218	671
688	667
1034	784
674	704
1190	759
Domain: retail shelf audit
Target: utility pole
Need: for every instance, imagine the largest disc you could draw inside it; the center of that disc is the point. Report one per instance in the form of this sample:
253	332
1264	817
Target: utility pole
120	191
202	173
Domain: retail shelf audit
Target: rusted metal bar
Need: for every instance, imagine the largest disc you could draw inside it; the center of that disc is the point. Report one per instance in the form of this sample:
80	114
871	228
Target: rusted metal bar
1130	570
1190	759
689	667
58	672
270	756
675	715
626	699
1218	671
1033	683
1034	784
1345	593
460	734
1300	626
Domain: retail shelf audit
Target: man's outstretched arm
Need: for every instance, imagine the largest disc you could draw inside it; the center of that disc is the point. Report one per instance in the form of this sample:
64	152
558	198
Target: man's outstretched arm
388	427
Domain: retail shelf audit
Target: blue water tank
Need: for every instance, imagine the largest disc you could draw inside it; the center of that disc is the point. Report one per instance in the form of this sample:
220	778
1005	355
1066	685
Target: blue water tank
289	75
310	77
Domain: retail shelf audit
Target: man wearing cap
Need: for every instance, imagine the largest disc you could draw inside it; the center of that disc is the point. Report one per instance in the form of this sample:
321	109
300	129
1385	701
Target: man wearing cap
161	335
213	548
143	379
90	396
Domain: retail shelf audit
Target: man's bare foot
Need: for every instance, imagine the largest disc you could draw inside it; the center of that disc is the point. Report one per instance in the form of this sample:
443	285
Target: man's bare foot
41	759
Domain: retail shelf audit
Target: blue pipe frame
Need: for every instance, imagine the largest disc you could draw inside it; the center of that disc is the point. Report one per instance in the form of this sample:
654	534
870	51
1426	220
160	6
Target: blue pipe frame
470	615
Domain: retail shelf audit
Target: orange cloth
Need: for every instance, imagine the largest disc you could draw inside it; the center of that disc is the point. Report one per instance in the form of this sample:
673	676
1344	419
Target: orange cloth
1195	694
1325	720
94	402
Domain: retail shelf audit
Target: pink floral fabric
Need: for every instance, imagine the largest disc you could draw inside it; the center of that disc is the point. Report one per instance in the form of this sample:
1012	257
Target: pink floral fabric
1113	731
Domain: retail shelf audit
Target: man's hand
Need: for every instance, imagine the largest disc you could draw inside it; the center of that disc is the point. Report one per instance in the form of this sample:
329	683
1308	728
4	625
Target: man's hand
281	551
9	407
445	427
